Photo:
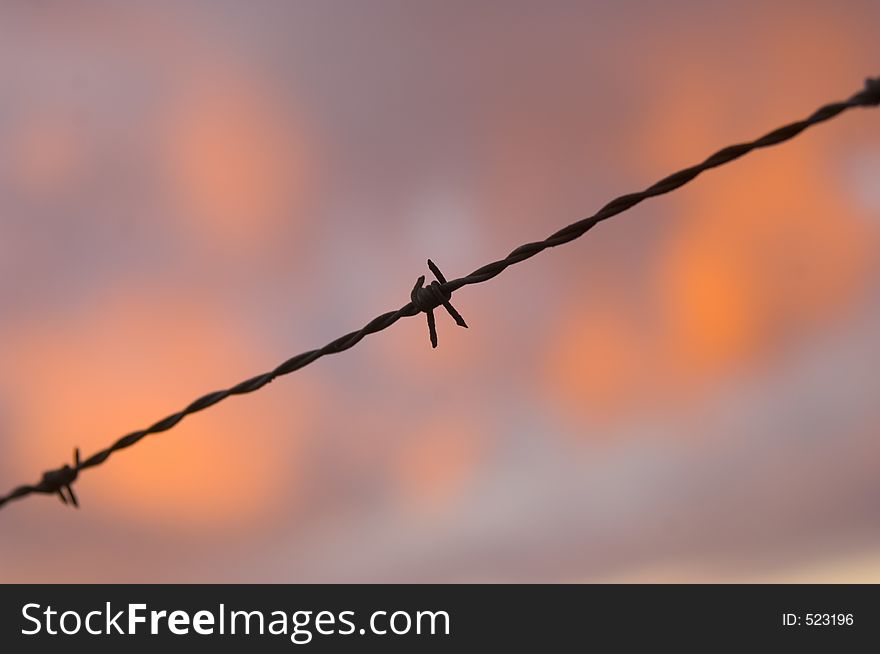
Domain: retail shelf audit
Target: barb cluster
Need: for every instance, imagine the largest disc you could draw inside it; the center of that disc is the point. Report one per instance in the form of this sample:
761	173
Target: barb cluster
424	299
428	298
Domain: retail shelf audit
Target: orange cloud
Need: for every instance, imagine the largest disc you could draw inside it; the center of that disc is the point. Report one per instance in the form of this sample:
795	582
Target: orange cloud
435	463
596	365
124	366
237	164
759	254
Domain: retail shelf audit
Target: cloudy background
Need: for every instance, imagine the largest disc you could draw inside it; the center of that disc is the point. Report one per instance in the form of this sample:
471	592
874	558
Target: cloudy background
191	192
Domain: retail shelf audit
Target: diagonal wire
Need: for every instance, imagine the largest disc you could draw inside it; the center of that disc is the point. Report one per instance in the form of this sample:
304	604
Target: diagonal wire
438	293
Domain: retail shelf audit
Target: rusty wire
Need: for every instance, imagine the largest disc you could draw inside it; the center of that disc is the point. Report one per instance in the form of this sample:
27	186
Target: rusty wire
424	299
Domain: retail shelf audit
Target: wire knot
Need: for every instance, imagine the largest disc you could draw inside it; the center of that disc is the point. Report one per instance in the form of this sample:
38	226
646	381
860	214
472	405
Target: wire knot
427	298
872	91
57	481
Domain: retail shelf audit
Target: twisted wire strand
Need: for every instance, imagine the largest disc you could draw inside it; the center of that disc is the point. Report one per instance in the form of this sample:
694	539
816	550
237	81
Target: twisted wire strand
438	293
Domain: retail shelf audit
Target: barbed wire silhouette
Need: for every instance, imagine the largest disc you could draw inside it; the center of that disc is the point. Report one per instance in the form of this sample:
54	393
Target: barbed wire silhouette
424	299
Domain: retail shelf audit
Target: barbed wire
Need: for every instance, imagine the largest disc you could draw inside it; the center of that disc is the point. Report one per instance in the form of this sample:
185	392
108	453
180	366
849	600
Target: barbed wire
424	299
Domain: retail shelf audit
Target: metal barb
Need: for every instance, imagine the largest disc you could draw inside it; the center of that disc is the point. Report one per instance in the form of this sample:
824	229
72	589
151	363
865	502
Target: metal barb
871	94
60	480
428	298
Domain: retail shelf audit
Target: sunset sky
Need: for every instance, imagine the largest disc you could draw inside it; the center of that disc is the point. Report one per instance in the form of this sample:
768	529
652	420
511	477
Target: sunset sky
191	192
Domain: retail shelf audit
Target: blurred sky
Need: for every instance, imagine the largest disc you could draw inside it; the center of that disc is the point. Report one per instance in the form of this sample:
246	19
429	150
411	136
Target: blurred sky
191	192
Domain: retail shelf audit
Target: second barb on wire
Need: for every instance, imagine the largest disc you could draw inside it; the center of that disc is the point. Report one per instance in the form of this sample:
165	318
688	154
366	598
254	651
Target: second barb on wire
427	298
